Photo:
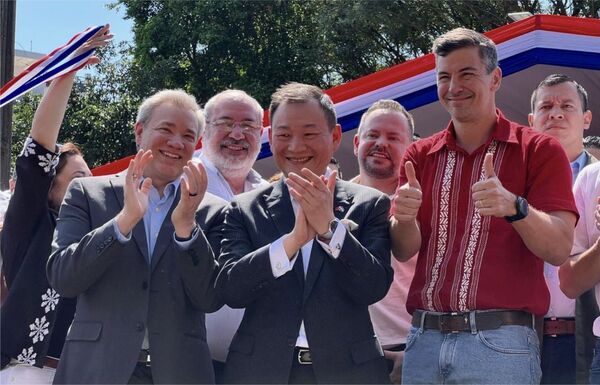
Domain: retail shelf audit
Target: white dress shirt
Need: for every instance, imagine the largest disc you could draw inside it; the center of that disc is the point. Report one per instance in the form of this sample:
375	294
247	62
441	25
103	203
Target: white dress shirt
281	264
222	324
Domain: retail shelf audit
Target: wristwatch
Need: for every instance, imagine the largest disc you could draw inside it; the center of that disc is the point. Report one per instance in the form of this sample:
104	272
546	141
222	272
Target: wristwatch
522	210
332	226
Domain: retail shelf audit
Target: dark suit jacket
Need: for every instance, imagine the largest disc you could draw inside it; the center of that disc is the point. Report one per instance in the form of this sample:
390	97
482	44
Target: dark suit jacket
332	300
586	311
119	294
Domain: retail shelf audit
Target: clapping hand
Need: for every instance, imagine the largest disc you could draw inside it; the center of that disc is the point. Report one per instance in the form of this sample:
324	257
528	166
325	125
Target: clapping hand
135	192
193	187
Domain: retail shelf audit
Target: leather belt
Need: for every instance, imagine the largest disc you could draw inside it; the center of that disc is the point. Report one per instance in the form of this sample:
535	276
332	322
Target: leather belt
144	357
461	322
51	362
395	348
559	326
303	355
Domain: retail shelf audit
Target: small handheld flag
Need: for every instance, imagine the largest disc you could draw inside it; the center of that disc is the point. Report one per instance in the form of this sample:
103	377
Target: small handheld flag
57	63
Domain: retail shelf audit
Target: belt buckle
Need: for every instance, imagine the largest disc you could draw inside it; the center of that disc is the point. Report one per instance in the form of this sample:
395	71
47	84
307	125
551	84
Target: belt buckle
446	327
304	357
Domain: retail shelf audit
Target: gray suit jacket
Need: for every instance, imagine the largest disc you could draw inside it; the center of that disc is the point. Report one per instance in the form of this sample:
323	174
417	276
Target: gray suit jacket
119	294
332	300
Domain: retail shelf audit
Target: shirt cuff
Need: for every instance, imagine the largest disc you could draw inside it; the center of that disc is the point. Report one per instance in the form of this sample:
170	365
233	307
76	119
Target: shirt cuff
120	237
335	243
184	245
280	263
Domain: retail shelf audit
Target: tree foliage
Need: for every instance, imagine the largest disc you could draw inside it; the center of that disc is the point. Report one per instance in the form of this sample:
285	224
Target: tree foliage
206	46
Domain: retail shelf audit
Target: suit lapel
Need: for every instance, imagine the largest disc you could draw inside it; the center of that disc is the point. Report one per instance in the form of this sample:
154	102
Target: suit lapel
279	207
138	233
165	235
341	204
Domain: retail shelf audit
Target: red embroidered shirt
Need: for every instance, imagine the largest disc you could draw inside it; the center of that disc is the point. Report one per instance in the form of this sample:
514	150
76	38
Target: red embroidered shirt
473	262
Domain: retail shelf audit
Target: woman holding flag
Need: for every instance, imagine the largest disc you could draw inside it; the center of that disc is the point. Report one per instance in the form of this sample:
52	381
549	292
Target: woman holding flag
35	319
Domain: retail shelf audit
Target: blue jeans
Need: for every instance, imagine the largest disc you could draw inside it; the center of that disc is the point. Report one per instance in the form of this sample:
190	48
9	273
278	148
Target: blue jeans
595	368
507	355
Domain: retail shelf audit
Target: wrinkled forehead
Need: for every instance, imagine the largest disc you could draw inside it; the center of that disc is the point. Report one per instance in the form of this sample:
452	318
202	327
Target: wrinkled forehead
562	92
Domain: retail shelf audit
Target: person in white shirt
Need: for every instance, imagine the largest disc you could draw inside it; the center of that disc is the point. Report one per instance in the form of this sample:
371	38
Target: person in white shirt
230	144
385	132
582	271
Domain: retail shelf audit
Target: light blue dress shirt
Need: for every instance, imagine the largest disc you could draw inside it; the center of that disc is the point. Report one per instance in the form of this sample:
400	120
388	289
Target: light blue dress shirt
578	164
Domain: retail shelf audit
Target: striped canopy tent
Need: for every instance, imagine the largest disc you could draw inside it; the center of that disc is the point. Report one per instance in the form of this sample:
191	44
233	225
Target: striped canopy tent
528	51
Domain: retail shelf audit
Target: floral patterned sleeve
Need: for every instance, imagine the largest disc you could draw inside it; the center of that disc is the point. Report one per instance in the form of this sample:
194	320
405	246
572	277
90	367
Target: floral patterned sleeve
36	167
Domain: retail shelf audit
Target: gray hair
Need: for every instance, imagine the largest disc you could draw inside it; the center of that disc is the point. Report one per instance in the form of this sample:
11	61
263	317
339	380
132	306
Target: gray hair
236	95
178	98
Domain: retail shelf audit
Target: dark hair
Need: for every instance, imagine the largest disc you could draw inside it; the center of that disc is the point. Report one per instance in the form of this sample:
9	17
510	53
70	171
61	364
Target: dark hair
555	79
302	93
463	38
591	142
66	151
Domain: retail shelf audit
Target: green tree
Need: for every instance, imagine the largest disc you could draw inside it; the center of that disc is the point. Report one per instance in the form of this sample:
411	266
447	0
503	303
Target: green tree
207	46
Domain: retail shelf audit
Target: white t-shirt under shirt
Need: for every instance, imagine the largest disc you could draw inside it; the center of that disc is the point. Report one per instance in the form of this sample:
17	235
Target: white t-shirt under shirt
390	319
222	324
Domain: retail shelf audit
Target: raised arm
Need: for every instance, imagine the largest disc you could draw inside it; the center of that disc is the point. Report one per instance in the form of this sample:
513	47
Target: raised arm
51	111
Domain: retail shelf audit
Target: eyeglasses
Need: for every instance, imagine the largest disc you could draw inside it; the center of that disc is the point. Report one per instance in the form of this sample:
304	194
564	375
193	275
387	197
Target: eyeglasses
227	125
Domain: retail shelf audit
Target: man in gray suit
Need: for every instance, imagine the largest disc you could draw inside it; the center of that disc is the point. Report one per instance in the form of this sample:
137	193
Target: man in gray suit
138	250
305	257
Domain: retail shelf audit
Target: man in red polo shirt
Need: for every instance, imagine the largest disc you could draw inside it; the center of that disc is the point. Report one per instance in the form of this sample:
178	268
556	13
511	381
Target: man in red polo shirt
484	202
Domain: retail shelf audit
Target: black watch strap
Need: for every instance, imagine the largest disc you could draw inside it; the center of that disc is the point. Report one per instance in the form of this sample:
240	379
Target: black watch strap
522	207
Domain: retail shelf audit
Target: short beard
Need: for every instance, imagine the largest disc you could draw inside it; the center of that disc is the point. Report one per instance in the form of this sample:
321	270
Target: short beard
378	172
232	167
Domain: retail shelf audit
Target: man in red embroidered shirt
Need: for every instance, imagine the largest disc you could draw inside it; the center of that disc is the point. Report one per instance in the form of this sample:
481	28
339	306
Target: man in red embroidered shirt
484	202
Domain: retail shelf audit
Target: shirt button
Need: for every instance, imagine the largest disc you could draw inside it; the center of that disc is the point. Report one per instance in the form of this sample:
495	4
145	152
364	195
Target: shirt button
278	265
139	327
157	209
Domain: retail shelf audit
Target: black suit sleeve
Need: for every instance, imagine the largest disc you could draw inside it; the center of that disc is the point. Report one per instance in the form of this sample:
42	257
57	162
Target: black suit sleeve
363	268
246	273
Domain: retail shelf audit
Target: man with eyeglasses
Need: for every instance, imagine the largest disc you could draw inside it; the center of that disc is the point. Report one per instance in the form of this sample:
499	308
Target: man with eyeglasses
230	145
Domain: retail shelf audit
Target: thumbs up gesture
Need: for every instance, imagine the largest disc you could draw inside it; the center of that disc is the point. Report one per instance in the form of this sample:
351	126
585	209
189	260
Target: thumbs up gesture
408	197
489	196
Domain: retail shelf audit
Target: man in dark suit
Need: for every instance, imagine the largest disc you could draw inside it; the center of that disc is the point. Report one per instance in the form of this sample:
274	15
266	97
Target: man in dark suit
136	249
306	283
